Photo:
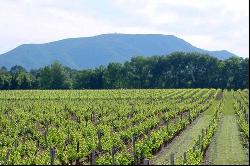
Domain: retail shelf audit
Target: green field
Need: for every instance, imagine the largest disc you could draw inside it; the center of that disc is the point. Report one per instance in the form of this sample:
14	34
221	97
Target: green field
124	127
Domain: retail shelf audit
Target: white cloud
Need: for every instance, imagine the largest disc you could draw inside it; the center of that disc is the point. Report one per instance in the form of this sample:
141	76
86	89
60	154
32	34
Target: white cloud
208	24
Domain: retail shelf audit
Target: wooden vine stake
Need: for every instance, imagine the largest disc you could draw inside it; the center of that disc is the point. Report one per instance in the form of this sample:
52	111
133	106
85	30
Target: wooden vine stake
52	156
77	150
113	151
146	162
93	157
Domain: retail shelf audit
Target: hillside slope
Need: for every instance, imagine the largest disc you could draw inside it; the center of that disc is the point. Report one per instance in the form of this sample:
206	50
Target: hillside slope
89	52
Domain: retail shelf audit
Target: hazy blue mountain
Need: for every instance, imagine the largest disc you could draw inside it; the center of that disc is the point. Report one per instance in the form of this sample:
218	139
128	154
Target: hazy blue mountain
89	52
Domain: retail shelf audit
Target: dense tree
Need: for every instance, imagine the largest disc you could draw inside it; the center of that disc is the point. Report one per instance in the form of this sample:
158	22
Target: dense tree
44	77
54	76
5	78
59	77
25	80
113	76
84	79
20	78
177	70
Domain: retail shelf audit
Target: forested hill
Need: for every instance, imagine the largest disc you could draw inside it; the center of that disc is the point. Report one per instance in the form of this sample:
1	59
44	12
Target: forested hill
90	52
177	70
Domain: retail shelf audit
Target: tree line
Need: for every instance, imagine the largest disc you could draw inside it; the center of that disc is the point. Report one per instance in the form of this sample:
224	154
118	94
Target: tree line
177	70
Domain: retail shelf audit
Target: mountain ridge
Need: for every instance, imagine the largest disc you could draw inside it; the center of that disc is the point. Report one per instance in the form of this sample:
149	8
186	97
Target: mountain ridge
93	51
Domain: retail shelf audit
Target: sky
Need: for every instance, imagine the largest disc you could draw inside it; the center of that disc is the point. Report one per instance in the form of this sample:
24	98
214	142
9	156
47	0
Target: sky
207	24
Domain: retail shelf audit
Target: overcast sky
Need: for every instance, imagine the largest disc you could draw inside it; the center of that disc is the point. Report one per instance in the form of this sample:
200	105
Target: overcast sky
208	24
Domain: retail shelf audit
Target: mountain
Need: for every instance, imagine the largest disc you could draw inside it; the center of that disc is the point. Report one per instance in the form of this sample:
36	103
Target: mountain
89	52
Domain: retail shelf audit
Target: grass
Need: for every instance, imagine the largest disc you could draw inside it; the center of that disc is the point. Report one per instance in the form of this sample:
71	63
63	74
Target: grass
226	148
186	139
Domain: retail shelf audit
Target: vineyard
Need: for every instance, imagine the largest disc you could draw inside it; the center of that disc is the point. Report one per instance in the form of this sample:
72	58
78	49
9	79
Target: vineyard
119	127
